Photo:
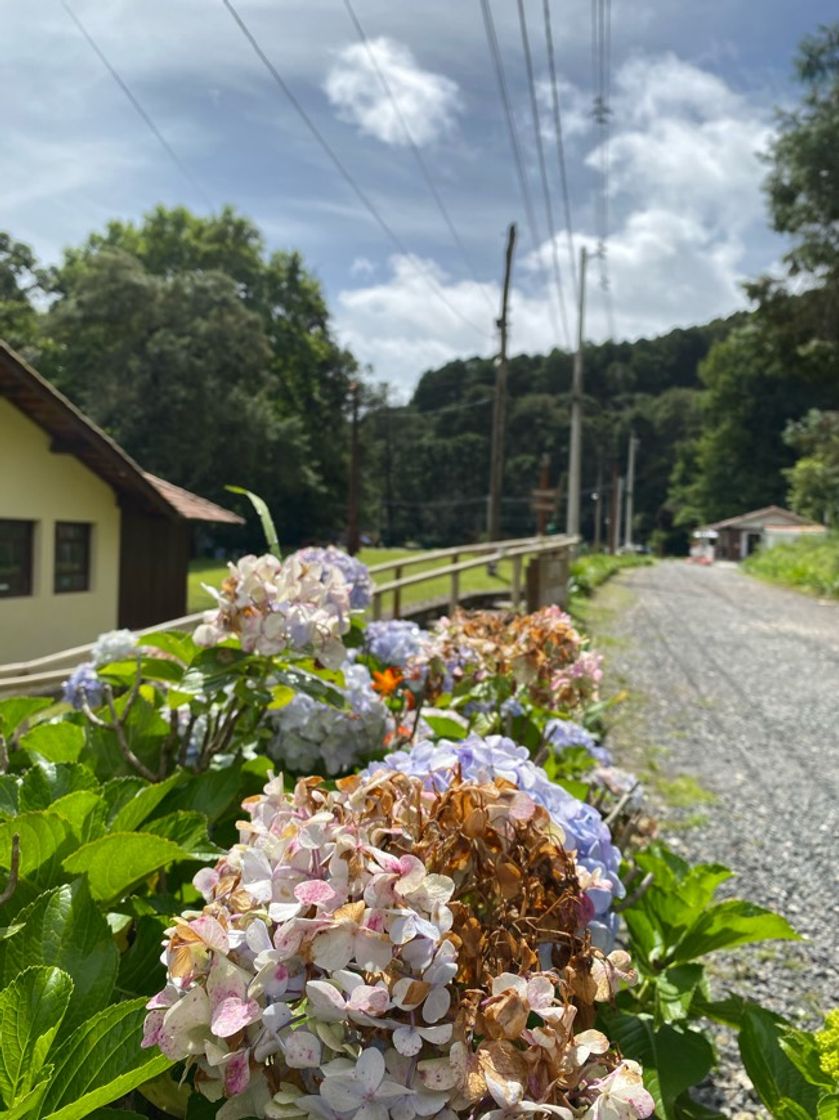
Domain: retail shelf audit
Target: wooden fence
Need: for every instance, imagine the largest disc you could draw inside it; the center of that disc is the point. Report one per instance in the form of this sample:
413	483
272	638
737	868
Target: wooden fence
45	674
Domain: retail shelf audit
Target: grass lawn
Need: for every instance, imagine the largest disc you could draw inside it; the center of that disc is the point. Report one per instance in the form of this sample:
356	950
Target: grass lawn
478	579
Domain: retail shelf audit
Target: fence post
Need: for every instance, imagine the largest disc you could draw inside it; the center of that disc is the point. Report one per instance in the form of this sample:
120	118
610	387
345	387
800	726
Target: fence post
516	581
377	605
397	593
454	593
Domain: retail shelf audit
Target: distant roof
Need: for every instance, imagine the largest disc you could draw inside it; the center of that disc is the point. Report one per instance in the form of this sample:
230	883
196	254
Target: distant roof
763	517
76	434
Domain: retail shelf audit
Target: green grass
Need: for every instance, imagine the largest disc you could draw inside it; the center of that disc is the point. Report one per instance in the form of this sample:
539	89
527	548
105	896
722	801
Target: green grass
477	579
809	564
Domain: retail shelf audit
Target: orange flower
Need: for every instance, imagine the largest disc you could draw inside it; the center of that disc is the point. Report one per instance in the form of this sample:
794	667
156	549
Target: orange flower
386	683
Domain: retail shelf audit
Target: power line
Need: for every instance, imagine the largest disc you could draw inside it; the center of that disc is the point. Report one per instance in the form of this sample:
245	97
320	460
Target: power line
495	53
426	174
543	172
560	146
601	48
161	139
344	171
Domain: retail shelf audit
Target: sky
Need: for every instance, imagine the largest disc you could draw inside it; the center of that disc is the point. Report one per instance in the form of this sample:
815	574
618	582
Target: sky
694	90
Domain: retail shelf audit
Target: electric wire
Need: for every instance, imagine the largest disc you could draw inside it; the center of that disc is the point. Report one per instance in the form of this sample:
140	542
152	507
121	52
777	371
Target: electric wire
344	172
426	174
560	146
543	171
495	54
601	16
141	112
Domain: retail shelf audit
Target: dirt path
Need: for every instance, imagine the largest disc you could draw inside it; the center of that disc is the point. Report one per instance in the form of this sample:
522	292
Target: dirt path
734	725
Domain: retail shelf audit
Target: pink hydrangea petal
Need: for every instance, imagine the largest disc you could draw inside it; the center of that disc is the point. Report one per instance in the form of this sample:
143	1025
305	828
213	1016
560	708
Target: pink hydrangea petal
313	892
233	1015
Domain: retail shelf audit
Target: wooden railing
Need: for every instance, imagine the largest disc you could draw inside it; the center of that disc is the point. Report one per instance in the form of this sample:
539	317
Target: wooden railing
45	674
493	552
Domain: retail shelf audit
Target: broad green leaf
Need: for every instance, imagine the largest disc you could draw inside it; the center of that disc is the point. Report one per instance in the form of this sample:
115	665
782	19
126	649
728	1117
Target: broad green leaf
64	928
576	789
445	728
675	989
686	1108
172	1096
281	695
728	1011
673	1059
85	811
100	1063
140	970
119	791
801	1049
144	803
116	862
145	731
828	1107
779	1084
16	709
210	793
264	513
175	642
45	839
27	1107
9	793
116	1114
312	684
199	1108
45	782
731	923
55	742
189	831
31	1010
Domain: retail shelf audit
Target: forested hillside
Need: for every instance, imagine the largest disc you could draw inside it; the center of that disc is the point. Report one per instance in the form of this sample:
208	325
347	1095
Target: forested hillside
651	387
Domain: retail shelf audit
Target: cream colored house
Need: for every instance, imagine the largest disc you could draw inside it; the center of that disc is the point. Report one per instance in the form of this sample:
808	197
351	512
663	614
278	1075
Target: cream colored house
88	540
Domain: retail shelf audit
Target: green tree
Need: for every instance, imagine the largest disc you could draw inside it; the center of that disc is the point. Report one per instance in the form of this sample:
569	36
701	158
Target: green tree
177	369
814	478
304	373
20	279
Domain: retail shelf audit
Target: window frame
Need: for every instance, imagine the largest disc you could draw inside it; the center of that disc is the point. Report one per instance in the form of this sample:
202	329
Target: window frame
83	571
27	570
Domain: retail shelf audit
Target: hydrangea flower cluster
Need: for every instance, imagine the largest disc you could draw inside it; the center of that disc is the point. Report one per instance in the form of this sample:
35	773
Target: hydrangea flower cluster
564	733
83	686
542	652
114	645
312	736
584	832
272	606
354	572
386	952
397	642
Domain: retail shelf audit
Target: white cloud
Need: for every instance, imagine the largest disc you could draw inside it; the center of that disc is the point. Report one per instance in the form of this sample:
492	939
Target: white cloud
428	102
362	266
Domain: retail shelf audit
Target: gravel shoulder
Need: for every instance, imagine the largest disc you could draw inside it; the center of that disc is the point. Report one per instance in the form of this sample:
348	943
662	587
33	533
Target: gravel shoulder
733	724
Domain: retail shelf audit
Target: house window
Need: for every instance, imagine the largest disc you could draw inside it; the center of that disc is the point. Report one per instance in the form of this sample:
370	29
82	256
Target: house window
15	558
72	556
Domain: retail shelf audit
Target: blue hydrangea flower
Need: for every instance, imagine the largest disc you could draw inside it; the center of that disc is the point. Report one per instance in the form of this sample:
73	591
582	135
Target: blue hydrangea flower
482	760
83	685
313	737
511	708
564	733
114	645
394	642
354	572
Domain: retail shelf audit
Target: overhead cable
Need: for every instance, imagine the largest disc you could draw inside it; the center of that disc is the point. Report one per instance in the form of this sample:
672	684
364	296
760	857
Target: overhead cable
345	173
543	172
495	53
418	156
560	146
141	112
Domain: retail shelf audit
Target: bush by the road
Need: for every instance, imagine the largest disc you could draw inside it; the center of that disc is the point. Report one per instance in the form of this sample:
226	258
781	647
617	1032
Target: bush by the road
810	564
590	571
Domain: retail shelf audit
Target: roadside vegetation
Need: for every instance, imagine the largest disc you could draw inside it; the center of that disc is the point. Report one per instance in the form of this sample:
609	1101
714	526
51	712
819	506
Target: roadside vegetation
808	564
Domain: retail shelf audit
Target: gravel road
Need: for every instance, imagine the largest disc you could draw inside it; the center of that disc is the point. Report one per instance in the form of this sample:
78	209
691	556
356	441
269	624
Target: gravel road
737	686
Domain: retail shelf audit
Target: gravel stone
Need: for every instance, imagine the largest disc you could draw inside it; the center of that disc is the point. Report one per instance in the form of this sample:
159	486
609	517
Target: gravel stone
736	686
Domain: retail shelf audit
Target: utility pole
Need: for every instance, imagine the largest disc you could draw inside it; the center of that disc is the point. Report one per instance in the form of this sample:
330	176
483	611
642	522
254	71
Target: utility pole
576	448
355	475
388	473
618	513
630	489
598	504
613	510
499	408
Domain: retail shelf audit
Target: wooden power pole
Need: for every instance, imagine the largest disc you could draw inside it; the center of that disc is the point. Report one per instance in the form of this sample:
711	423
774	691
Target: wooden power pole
630	489
575	453
354	495
499	408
